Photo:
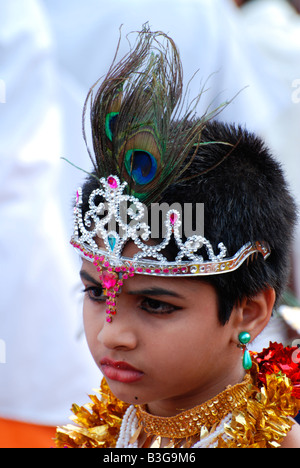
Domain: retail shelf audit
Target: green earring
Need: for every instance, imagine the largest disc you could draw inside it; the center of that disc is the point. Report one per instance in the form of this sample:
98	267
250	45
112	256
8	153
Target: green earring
244	338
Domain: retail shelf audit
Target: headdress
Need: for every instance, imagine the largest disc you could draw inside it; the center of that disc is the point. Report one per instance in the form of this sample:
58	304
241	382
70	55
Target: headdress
144	139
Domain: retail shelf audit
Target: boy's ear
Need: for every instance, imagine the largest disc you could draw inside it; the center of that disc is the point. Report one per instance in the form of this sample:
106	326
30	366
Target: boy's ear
253	314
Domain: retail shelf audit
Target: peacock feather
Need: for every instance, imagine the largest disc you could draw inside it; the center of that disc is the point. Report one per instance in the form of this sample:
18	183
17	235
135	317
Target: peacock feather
134	112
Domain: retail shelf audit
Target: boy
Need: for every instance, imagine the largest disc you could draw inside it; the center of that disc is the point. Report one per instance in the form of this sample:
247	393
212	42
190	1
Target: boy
168	319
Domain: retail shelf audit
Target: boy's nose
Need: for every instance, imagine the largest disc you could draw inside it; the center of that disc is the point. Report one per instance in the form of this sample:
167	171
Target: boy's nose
120	333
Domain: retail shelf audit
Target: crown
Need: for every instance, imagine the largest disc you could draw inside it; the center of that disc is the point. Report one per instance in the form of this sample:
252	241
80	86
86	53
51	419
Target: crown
107	219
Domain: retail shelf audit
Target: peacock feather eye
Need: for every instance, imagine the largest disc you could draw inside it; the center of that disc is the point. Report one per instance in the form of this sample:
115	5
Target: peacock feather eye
140	165
110	124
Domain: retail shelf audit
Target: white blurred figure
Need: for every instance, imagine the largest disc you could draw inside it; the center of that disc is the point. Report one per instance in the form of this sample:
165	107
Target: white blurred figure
46	366
273	28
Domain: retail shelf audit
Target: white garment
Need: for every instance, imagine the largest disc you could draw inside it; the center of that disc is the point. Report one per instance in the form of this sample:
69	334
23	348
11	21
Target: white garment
273	27
44	366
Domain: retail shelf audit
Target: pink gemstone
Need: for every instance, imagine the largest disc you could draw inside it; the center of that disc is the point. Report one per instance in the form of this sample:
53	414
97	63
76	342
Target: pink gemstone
108	319
173	218
166	270
109	280
77	197
112	182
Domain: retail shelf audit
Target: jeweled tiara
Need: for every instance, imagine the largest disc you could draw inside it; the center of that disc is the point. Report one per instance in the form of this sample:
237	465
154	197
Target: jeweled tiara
149	259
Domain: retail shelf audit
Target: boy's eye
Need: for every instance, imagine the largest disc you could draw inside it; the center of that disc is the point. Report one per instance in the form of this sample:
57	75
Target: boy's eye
153	306
94	293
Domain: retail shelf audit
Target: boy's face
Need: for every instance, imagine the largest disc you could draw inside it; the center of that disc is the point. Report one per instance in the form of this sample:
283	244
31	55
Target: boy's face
165	345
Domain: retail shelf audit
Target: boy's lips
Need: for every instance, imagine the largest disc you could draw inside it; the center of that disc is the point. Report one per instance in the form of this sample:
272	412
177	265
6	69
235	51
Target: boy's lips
120	371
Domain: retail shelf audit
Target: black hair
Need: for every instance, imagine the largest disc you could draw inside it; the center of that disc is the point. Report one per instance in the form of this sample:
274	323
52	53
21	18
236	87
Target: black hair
246	199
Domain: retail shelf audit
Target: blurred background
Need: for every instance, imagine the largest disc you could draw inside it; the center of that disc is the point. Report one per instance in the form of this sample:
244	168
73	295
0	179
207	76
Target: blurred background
51	52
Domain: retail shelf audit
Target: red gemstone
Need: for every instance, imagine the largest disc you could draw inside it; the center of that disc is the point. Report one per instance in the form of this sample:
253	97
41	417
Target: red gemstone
109	280
173	218
112	182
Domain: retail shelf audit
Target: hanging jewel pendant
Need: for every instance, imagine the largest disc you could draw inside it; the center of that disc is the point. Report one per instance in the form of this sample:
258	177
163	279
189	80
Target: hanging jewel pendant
244	338
247	361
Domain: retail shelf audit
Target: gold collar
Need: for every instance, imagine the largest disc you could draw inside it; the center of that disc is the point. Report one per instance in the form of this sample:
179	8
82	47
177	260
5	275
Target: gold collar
190	423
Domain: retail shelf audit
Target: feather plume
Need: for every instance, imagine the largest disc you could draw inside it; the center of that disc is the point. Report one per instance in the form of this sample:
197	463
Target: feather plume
135	126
